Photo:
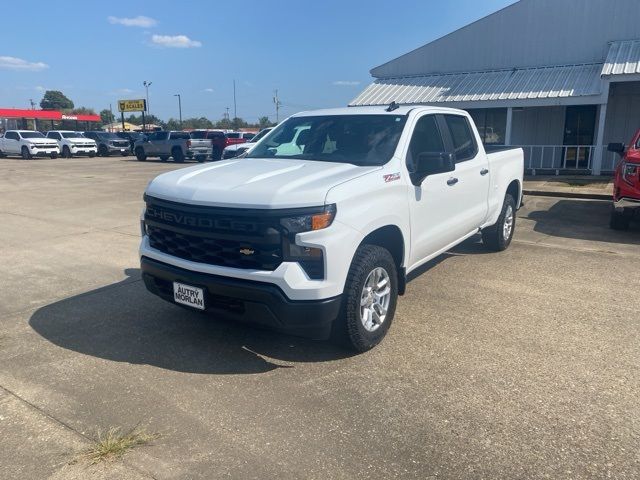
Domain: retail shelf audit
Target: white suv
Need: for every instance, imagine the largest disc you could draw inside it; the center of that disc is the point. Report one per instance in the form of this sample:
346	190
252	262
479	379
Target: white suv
73	143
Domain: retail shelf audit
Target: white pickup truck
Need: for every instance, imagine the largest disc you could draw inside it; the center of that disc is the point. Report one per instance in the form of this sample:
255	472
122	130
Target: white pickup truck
27	144
73	143
318	240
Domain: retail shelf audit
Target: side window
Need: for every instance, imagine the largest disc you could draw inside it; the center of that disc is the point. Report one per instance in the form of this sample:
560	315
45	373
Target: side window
426	138
12	136
464	143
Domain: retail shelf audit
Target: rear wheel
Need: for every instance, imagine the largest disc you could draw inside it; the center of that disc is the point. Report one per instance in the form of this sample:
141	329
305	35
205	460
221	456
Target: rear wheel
369	300
619	220
498	236
178	155
25	154
66	152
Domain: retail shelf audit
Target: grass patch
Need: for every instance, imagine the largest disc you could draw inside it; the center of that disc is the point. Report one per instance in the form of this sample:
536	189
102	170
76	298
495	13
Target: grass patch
114	444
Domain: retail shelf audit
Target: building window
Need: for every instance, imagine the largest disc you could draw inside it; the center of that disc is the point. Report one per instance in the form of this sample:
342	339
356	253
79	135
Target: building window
491	123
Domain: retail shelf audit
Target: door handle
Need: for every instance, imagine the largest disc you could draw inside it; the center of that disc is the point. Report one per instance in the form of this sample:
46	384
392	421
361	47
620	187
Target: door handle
452	181
484	171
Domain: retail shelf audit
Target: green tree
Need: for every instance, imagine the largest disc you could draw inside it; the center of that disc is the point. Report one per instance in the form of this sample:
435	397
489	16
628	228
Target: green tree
107	116
264	122
83	111
238	123
55	100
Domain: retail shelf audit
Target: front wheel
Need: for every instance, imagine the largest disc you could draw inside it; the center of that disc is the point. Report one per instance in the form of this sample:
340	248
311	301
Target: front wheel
619	221
25	154
103	151
498	236
66	152
140	154
369	300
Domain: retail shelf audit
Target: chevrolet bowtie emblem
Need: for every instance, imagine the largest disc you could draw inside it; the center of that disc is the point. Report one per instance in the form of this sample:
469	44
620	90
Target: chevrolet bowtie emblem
247	251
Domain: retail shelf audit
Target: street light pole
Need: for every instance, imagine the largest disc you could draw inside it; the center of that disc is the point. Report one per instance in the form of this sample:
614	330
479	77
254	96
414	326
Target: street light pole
179	107
146	86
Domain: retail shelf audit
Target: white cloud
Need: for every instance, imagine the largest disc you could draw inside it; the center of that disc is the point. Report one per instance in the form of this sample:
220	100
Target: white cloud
174	41
40	88
139	21
346	83
123	91
13	63
208	90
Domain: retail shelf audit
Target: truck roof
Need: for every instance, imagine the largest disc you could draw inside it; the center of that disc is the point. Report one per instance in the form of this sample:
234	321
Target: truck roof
374	110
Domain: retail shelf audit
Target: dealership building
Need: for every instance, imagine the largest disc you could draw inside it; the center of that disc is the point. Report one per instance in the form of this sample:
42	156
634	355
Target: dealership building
22	119
560	78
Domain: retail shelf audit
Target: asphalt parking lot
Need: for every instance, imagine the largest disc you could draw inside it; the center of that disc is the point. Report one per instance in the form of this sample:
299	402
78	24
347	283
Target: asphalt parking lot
523	364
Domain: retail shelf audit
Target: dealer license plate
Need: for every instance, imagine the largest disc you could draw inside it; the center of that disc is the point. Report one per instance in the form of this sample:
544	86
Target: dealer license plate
188	295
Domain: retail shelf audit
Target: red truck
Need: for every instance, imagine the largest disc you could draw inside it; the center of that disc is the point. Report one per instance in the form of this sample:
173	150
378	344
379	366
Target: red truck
626	187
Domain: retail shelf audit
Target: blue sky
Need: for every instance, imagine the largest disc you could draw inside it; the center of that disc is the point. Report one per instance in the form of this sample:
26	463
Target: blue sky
317	54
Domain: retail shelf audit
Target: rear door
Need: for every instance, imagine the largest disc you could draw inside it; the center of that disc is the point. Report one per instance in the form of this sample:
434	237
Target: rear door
470	180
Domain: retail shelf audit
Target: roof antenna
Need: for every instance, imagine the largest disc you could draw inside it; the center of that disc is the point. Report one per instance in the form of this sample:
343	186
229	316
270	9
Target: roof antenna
392	106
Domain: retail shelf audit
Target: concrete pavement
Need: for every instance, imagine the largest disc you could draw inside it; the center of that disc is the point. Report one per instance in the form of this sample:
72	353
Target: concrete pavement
585	187
523	364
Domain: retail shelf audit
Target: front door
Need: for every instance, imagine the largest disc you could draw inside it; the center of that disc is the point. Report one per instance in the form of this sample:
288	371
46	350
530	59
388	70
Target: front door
579	129
446	206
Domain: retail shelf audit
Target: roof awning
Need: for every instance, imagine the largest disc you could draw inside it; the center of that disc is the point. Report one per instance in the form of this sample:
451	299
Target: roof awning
623	58
558	82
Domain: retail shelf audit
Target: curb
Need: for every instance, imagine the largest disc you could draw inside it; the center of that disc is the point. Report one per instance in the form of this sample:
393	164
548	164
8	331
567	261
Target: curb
556	193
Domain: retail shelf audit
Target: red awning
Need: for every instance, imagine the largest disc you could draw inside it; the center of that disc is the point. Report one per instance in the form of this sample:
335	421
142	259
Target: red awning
46	115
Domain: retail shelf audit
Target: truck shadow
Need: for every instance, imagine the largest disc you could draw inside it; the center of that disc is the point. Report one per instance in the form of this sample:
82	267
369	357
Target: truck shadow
581	220
122	322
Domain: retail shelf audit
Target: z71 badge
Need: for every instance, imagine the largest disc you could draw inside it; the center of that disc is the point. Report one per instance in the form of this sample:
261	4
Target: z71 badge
391	177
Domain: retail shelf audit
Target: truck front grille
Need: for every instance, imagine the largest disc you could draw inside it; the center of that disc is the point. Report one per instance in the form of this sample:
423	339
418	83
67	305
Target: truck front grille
236	238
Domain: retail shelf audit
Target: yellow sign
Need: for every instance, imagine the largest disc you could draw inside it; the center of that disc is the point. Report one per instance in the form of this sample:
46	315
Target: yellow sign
132	105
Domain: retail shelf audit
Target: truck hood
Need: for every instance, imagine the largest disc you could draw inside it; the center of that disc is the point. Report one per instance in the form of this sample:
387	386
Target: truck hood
255	183
41	141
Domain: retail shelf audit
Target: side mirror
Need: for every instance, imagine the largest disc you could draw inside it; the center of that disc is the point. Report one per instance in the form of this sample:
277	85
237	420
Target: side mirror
431	163
616	147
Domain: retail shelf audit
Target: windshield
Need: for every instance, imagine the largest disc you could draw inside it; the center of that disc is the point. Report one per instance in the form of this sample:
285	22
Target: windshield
356	139
109	136
72	135
259	135
31	135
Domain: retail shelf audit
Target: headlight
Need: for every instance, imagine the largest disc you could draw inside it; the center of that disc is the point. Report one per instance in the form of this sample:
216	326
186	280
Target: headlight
311	221
629	172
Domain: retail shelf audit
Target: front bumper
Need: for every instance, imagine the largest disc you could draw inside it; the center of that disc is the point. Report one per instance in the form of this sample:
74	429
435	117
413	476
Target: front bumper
245	300
83	149
625	203
117	149
44	151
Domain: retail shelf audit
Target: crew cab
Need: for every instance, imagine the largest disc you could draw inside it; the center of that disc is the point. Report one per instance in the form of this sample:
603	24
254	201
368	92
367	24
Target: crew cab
218	141
238	137
27	144
108	143
178	145
240	148
318	240
73	143
626	184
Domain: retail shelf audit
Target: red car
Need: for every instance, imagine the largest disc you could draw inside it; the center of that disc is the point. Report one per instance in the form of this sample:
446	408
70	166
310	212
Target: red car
626	187
238	137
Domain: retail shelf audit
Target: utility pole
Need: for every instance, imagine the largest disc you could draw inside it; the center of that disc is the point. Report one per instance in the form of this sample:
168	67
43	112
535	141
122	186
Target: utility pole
179	107
146	86
277	102
33	104
235	109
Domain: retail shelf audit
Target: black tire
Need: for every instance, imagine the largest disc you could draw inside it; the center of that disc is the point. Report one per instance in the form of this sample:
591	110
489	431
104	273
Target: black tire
103	151
66	152
348	327
178	155
140	155
54	156
619	221
2	155
201	158
164	158
494	237
25	153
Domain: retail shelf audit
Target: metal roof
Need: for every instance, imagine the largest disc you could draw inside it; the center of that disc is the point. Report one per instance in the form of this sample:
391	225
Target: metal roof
517	84
623	58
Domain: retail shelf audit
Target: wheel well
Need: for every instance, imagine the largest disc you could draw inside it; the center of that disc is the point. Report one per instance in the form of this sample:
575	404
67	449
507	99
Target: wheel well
514	190
390	237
